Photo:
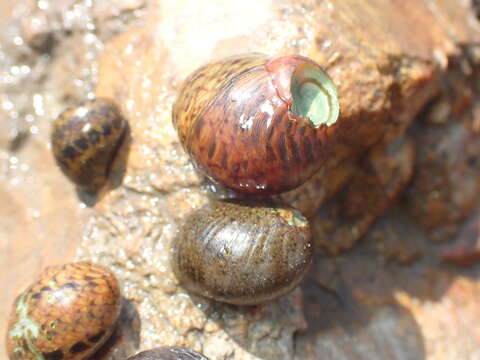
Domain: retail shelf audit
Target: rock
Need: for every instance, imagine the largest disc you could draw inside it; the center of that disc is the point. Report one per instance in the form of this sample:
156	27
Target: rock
358	307
465	251
446	185
375	184
103	10
396	237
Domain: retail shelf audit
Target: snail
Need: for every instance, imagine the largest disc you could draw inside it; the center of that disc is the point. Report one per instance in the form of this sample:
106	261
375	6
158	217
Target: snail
85	140
242	252
258	125
66	314
168	353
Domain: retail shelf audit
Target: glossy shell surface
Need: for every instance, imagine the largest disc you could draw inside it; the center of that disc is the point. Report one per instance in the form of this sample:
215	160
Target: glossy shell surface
242	252
85	140
258	125
168	353
67	314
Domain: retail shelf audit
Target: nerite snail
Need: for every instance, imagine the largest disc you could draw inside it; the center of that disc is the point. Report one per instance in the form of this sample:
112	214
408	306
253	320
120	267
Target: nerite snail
258	125
242	252
85	140
66	314
168	353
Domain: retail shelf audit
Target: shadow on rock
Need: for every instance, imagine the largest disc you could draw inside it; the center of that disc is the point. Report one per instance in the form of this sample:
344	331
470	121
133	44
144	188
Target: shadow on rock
125	339
366	304
265	330
351	313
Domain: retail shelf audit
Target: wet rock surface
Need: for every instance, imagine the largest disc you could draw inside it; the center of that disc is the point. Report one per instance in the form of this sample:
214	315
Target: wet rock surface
404	174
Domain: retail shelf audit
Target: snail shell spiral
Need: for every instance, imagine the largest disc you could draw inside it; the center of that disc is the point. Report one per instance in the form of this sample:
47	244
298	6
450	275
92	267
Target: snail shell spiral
85	140
242	252
66	314
258	125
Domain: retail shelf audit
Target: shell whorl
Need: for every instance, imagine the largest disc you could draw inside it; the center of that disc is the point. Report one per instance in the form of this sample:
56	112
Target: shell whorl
258	125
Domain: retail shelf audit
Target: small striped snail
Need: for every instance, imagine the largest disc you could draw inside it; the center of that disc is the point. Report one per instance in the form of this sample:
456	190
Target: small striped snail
66	314
242	252
85	140
168	353
258	125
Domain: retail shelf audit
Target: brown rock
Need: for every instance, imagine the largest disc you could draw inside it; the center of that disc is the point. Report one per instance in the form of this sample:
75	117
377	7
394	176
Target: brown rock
465	251
359	307
446	185
396	237
375	184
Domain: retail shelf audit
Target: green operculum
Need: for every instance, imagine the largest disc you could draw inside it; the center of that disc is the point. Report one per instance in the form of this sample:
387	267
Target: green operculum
314	95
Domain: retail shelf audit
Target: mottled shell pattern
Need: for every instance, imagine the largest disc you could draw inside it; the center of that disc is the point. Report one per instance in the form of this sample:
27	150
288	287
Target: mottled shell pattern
85	140
255	124
168	353
242	252
66	314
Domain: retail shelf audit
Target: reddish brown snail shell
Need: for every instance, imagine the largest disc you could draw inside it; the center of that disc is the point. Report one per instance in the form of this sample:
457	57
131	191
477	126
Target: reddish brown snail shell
258	125
66	314
85	140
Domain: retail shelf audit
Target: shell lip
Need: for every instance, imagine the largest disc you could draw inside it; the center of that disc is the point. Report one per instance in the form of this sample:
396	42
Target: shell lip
306	88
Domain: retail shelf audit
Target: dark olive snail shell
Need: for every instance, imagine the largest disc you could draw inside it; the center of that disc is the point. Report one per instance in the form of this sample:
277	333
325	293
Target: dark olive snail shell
66	314
242	253
85	140
168	353
258	125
